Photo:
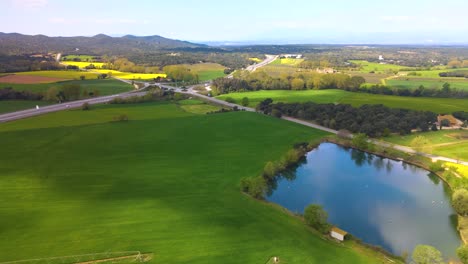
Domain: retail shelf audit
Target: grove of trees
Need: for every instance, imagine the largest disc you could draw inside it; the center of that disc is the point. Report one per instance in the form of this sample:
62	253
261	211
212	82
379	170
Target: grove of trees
372	120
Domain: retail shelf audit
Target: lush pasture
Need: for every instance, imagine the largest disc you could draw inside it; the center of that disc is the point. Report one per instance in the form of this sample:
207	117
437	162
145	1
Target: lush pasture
16	105
435	73
207	71
83	64
69	74
166	182
374	78
196	106
105	87
438	105
131	76
415	82
449	143
377	67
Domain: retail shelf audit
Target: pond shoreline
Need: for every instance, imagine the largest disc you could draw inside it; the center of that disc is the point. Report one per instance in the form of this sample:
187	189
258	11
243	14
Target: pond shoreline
347	143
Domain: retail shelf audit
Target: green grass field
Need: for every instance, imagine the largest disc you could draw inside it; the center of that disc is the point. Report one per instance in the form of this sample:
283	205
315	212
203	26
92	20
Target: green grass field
60	74
166	182
415	82
207	71
435	73
196	106
438	105
376	67
83	64
16	105
105	87
448	143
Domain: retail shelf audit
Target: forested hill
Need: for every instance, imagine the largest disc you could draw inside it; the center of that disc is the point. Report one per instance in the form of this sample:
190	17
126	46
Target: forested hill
17	44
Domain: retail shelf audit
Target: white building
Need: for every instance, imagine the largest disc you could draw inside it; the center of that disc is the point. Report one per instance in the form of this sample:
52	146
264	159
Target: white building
381	58
337	233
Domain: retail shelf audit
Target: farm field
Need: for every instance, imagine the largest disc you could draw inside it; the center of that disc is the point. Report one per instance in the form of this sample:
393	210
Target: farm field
69	74
16	105
287	62
207	71
435	73
105	87
147	185
377	67
438	105
448	143
196	106
83	64
415	82
132	76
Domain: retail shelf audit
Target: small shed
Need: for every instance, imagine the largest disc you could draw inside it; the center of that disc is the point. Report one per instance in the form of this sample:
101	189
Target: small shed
337	233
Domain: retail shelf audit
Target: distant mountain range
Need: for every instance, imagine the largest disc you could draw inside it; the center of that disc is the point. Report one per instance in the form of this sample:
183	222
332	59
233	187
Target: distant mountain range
15	44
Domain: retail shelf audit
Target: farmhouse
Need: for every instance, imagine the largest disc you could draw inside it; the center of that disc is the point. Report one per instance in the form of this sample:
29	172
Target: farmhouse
325	70
453	121
337	233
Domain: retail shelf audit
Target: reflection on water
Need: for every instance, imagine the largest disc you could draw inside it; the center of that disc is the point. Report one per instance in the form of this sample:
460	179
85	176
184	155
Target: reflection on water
384	202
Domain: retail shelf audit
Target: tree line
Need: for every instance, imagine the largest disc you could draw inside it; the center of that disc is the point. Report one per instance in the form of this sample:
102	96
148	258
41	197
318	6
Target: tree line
372	120
245	81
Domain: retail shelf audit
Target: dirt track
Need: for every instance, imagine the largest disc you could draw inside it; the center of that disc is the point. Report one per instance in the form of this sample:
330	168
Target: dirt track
26	79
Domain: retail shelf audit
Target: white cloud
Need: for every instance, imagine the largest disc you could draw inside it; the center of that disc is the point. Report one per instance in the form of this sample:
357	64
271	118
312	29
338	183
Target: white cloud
30	3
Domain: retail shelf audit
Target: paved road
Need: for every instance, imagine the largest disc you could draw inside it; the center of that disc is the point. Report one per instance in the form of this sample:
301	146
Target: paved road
63	106
269	59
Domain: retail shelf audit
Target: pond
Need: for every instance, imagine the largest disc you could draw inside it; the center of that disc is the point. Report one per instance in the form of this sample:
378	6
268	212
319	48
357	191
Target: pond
381	201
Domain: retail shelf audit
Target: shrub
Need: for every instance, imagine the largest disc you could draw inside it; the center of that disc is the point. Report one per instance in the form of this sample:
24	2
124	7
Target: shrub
121	118
436	166
230	100
255	187
276	113
85	107
462	253
245	101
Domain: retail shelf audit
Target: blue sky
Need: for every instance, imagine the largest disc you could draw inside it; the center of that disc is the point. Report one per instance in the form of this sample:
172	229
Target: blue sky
285	21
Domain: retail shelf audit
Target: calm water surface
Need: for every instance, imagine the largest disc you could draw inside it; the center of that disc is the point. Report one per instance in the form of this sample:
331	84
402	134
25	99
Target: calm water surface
383	202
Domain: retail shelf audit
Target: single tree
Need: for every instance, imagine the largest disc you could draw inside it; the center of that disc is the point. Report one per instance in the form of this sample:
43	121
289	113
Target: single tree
420	144
460	201
360	141
462	253
245	101
316	217
424	254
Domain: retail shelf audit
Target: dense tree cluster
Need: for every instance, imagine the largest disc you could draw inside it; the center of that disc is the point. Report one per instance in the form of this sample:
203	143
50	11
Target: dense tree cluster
27	63
245	81
372	120
462	115
458	73
8	93
180	73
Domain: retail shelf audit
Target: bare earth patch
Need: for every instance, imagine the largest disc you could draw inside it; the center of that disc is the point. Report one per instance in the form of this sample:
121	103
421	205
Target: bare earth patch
27	79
